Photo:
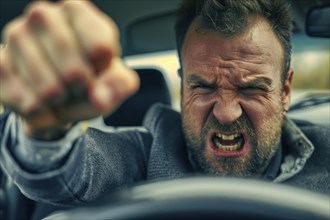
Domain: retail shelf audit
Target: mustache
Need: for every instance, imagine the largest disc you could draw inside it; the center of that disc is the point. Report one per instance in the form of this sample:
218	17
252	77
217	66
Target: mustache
241	124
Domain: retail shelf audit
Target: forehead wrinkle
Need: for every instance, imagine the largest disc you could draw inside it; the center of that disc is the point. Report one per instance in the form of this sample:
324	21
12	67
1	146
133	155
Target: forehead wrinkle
234	55
239	58
253	65
263	45
215	70
258	52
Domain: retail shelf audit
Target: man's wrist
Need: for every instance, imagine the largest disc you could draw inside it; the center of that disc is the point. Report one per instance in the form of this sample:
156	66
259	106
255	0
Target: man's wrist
49	134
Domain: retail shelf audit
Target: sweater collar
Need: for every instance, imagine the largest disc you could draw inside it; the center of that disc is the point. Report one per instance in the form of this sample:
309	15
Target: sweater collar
298	147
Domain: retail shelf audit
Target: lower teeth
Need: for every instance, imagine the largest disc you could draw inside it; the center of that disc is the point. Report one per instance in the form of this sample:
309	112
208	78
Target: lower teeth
228	148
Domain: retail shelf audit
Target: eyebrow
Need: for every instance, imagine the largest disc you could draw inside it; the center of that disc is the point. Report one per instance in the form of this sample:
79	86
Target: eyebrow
196	79
260	81
263	82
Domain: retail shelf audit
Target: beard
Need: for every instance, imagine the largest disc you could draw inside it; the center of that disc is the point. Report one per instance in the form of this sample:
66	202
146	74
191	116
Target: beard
264	143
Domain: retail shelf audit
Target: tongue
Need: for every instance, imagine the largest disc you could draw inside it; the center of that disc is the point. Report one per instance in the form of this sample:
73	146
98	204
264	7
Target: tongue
228	142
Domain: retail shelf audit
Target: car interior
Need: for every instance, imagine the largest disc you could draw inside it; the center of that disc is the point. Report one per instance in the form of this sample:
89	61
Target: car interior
153	89
146	27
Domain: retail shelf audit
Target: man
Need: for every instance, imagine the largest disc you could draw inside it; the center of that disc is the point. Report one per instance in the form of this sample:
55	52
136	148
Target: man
236	85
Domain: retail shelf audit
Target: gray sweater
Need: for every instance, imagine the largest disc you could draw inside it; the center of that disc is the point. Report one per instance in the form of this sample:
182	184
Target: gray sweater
97	161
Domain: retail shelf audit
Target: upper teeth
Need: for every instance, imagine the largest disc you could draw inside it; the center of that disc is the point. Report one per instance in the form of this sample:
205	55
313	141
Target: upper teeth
231	142
227	137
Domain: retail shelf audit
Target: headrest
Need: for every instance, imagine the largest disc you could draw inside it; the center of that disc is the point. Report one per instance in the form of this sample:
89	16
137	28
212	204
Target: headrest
153	89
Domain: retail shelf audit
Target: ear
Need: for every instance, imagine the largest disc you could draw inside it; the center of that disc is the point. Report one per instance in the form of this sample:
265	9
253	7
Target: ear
180	73
287	90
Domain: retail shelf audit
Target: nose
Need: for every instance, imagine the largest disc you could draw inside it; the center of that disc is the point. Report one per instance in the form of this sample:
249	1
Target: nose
227	109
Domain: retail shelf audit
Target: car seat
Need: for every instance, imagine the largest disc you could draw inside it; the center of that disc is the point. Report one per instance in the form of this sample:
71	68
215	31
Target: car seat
153	89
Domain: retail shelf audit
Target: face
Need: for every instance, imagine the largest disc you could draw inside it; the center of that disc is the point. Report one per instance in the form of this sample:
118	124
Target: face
233	100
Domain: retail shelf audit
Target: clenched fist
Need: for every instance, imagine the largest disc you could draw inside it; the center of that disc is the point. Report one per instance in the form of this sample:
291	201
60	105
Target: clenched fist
60	63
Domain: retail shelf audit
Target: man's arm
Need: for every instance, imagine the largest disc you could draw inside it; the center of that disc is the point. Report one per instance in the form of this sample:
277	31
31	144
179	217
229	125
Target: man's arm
60	63
75	169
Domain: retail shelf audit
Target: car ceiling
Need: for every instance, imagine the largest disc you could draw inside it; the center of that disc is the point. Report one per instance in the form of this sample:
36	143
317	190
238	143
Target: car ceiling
143	17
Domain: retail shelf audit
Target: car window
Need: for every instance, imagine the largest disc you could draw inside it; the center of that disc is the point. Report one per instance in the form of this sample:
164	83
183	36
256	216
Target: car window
166	61
310	61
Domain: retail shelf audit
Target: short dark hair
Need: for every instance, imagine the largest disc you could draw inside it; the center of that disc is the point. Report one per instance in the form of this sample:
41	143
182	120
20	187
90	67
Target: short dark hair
231	17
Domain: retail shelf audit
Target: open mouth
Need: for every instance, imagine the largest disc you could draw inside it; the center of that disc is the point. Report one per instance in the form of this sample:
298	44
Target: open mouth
228	142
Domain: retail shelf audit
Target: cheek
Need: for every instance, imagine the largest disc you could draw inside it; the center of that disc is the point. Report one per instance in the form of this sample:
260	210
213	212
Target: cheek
261	111
196	109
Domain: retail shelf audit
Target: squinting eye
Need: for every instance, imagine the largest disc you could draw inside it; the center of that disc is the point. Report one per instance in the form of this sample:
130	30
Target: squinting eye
201	86
252	90
198	86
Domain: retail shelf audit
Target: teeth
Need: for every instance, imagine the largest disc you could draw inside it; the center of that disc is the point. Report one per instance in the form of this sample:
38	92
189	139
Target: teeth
227	137
227	146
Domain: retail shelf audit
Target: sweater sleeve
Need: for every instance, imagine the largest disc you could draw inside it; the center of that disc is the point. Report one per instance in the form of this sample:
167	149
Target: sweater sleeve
76	169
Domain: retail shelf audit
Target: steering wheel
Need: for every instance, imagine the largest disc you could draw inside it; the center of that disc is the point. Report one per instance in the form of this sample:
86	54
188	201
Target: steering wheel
206	198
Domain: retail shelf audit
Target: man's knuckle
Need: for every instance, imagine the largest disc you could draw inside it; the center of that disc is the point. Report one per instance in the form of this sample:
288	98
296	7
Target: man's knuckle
74	74
4	70
109	40
62	41
3	64
15	31
73	5
101	46
68	4
135	82
37	7
114	28
40	12
51	91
